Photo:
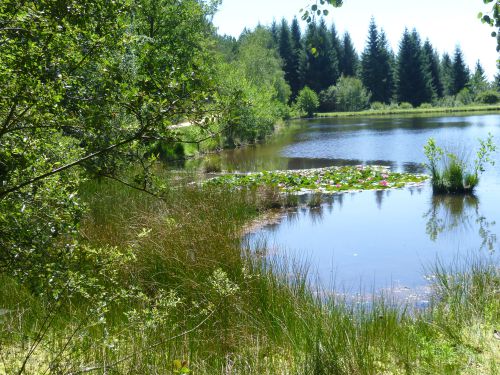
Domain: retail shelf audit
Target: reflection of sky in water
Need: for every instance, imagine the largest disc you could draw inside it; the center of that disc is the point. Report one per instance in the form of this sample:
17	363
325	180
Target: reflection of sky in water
379	239
398	141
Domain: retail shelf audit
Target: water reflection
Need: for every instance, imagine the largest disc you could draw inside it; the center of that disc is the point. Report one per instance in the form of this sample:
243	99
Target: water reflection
459	213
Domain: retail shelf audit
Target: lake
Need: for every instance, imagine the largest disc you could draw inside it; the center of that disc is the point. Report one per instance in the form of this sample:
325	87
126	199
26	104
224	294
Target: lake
370	241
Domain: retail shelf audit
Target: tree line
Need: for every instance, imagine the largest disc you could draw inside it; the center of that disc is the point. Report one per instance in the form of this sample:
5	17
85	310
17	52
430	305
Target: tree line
416	74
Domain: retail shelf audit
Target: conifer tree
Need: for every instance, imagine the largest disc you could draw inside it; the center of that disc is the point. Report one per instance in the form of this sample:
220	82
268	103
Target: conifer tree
496	81
446	71
335	42
386	66
349	60
321	69
431	61
274	32
478	82
460	72
298	58
414	85
286	51
376	72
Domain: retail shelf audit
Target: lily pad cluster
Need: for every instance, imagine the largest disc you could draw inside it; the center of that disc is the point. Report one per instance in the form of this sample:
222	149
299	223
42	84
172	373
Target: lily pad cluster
325	180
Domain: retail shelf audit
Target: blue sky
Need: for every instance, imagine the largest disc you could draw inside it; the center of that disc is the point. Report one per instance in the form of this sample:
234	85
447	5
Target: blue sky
445	22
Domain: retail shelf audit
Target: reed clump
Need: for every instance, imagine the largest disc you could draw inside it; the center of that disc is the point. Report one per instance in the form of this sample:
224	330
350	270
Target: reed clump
451	173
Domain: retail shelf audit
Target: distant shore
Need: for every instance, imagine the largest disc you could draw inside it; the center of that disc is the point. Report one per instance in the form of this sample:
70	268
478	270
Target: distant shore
409	111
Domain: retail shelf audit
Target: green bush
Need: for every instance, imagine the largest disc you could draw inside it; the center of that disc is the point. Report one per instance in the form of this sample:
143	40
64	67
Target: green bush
425	105
377	106
488	97
351	95
405	105
464	97
327	100
307	101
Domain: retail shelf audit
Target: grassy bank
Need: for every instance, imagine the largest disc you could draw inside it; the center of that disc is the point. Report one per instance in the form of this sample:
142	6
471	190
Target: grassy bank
413	111
168	288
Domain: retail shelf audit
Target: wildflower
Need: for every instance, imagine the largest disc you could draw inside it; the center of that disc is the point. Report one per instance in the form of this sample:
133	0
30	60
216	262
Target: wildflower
384	175
383	183
338	185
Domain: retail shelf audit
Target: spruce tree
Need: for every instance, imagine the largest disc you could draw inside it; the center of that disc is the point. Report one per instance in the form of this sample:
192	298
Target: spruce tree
460	72
298	58
349	60
496	81
274	32
286	51
446	71
335	42
478	82
386	66
414	85
376	72
431	60
369	58
321	69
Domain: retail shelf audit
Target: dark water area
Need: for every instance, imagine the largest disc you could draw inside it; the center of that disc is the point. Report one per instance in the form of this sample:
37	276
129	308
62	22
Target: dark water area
374	240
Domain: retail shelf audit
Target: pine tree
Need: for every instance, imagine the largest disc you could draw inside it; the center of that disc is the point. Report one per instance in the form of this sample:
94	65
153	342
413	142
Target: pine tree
298	58
496	81
376	72
386	66
286	51
431	60
446	71
335	42
369	58
349	60
460	72
414	85
275	32
478	82
321	70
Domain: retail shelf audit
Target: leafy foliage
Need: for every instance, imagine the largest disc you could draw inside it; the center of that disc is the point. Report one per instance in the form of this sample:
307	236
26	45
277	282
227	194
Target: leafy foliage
307	101
79	82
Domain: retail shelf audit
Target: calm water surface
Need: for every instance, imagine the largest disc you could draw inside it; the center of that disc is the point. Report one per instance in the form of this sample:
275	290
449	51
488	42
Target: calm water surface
372	240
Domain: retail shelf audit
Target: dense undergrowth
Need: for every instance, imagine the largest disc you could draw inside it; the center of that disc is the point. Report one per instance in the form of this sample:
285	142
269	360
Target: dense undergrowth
165	287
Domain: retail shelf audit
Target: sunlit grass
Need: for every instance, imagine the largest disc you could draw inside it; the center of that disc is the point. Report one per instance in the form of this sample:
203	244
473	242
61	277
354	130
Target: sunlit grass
207	300
416	111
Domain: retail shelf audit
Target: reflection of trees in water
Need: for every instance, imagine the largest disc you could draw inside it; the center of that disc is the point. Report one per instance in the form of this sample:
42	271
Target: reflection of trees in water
449	213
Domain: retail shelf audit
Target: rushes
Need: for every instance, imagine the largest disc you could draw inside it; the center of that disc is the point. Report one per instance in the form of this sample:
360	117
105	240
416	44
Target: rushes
191	294
451	173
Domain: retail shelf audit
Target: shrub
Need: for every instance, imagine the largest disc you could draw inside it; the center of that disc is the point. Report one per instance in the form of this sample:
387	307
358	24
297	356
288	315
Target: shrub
307	101
464	97
376	106
351	95
405	105
327	100
451	173
488	97
425	106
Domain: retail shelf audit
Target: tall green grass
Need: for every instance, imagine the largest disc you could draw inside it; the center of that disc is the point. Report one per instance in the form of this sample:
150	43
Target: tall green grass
452	173
181	287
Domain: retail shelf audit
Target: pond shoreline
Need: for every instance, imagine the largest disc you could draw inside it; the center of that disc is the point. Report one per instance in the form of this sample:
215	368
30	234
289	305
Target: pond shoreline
411	111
